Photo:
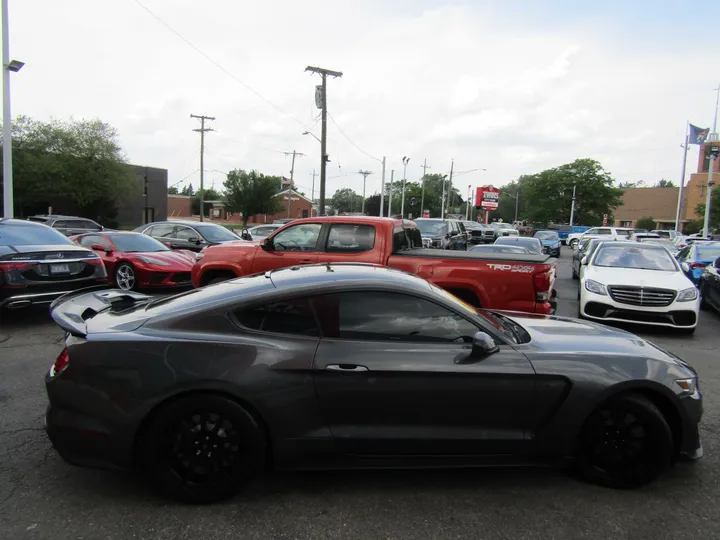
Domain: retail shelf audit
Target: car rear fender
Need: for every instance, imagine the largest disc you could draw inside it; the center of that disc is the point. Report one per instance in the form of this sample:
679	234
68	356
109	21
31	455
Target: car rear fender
72	311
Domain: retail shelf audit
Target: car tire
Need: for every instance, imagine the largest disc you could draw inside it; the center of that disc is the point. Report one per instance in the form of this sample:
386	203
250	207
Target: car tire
125	277
701	292
625	443
575	276
206	421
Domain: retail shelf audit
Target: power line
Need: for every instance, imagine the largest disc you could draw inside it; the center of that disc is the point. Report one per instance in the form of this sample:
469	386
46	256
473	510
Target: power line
351	141
216	64
184	178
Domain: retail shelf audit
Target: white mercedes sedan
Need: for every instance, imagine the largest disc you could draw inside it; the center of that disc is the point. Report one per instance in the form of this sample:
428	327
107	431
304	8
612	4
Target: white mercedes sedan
638	283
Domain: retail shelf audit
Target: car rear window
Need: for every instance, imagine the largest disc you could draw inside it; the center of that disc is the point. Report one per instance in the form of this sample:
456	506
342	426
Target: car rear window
708	252
31	236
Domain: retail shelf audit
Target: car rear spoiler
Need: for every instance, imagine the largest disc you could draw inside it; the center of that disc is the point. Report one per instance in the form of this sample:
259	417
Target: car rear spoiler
72	310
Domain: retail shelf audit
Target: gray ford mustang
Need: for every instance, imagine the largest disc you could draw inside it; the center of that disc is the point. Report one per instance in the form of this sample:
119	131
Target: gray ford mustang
352	366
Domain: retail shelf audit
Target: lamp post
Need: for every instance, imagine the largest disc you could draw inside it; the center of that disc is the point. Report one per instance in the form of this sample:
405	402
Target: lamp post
8	66
405	161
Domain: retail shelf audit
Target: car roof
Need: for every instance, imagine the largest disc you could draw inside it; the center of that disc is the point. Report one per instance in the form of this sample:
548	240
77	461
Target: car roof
20	222
515	239
630	243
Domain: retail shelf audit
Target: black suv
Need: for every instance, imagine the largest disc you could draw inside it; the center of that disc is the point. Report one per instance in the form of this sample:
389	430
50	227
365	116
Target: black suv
68	225
38	264
191	235
443	233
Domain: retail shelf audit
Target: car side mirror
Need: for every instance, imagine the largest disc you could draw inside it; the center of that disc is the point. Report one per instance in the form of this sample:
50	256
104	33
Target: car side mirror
483	345
268	244
245	235
685	267
100	247
168	244
194	239
584	261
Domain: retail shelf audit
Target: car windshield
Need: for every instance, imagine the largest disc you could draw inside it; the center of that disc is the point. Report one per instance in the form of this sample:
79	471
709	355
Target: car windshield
498	248
546	235
471	225
641	258
24	235
216	233
531	244
429	227
708	252
136	243
659	242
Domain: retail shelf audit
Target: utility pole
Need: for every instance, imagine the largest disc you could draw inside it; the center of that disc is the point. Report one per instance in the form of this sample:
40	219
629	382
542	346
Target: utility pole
452	166
312	197
321	103
405	161
572	207
714	151
292	177
467	203
392	176
202	131
422	197
365	175
382	189
678	214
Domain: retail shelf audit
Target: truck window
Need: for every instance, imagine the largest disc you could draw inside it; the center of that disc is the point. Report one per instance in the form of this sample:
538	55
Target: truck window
406	238
350	238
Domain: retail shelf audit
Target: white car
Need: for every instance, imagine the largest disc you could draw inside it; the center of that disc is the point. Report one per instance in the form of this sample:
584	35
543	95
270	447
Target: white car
504	229
606	233
639	283
261	232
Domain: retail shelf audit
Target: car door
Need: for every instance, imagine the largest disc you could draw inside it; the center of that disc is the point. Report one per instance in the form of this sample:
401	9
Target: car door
296	244
712	277
162	232
394	376
187	238
464	236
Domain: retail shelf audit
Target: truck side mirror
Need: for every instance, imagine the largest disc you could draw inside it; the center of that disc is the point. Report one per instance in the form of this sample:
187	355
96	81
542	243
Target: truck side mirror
584	261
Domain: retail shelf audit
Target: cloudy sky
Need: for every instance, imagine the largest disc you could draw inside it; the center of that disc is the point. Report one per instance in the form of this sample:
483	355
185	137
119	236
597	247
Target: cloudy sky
509	86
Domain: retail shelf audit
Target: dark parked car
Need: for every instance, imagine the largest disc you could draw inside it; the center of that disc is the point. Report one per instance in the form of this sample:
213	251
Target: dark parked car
533	245
709	286
550	241
38	264
586	247
68	225
191	235
442	233
696	256
355	366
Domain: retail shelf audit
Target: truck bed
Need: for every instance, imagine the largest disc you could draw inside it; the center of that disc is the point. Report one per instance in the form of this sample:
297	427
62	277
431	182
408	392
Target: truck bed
543	258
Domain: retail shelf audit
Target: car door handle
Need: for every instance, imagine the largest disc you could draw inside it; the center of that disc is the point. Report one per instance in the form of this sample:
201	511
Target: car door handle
349	368
306	261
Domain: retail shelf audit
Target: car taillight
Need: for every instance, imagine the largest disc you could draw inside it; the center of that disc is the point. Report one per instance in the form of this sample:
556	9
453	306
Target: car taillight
14	266
697	265
542	286
61	362
100	264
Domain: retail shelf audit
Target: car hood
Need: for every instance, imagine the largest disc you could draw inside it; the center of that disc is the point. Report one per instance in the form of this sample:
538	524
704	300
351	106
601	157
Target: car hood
178	258
551	333
637	278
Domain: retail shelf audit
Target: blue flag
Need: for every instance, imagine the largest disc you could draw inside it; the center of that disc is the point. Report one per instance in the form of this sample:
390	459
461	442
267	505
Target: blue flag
698	135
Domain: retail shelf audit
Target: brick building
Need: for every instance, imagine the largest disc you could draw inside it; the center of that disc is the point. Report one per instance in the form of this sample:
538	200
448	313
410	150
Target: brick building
661	203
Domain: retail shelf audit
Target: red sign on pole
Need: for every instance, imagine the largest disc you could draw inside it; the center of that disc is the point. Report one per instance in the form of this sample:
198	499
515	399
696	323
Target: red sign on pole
488	197
605	220
426	213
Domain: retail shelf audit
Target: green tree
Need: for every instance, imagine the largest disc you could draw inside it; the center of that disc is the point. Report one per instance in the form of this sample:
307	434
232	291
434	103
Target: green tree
549	193
188	190
172	190
694	226
346	200
714	211
665	183
626	185
75	166
646	223
210	195
251	193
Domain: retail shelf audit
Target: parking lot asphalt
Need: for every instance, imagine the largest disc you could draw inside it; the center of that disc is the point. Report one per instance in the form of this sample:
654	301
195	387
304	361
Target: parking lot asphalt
42	497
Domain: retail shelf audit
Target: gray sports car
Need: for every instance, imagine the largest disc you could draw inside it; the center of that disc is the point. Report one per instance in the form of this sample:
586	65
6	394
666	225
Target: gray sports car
352	366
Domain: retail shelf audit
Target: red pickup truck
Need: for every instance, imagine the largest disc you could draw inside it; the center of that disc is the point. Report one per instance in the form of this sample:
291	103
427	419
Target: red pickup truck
515	282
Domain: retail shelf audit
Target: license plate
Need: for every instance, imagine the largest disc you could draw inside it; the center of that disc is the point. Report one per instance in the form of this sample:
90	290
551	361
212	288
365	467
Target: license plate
59	268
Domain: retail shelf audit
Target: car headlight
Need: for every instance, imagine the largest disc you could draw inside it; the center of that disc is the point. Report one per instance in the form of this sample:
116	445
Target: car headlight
153	260
595	287
687	386
687	295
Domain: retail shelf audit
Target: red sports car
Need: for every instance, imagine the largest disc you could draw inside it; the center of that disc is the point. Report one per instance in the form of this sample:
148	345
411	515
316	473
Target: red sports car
135	261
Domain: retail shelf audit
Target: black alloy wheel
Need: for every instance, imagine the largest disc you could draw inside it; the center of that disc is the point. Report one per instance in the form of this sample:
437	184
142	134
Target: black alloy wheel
625	443
202	448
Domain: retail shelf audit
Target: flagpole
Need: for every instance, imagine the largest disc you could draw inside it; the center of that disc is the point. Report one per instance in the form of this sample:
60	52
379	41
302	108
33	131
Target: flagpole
678	215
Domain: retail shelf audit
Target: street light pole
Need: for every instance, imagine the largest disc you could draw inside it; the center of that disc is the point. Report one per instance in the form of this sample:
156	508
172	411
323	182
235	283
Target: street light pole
405	161
572	207
8	66
467	204
392	176
714	152
517	201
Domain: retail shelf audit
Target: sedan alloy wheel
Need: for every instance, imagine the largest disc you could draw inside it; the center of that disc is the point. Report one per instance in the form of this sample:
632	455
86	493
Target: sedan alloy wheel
125	277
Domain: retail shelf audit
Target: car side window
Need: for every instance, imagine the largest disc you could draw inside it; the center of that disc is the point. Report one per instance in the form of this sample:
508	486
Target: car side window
293	316
185	233
383	316
298	238
604	231
350	238
60	224
591	231
162	231
90	225
89	240
461	227
683	253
